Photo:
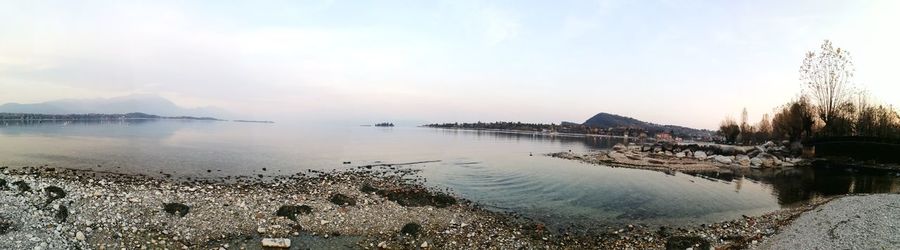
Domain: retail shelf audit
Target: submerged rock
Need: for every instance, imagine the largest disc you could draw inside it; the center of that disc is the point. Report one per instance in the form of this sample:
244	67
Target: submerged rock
343	200
409	197
176	208
411	229
291	211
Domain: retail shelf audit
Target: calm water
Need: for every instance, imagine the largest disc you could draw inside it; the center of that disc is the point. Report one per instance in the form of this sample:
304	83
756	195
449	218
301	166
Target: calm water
494	169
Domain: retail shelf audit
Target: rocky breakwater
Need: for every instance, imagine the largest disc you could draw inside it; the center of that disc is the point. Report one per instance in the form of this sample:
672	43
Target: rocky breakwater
690	157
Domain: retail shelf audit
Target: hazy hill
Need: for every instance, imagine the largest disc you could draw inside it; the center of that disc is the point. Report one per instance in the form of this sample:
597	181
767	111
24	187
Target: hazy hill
150	104
606	120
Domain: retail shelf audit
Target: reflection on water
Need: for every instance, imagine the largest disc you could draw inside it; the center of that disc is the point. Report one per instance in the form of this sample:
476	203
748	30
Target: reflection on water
504	171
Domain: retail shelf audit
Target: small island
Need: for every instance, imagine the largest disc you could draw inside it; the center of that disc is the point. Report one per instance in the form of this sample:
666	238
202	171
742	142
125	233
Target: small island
384	124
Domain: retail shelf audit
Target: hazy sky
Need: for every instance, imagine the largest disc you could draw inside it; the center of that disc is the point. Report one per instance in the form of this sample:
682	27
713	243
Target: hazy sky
679	62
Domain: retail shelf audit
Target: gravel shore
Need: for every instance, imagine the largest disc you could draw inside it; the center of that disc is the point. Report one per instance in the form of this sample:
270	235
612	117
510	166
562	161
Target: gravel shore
852	222
367	208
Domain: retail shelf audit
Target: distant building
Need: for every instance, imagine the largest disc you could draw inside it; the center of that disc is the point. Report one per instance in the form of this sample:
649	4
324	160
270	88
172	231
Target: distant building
664	137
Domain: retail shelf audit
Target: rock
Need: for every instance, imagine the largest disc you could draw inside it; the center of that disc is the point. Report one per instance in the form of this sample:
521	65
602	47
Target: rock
743	160
62	213
635	157
700	155
261	230
424	244
342	200
22	186
723	159
79	236
680	155
6	225
767	160
656	161
418	197
411	229
276	242
176	208
291	211
383	245
756	162
768	145
368	188
54	193
616	156
3	185
687	242
619	148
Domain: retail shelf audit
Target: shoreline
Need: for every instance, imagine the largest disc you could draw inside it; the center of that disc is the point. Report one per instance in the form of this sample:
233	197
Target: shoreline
126	211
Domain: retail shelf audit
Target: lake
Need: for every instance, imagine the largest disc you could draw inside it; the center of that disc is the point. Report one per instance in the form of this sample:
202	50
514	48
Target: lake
502	171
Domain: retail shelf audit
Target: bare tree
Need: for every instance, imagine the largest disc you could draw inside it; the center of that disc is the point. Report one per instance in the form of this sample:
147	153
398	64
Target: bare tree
827	76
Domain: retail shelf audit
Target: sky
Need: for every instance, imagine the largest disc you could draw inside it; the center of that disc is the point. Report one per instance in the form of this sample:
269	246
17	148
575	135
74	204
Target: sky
687	63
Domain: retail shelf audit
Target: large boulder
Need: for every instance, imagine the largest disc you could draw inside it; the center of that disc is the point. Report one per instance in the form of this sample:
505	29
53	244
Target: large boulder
756	162
680	155
619	148
723	159
743	160
700	155
768	160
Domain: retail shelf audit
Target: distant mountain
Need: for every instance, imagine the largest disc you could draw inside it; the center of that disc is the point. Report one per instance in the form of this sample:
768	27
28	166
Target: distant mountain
606	120
150	104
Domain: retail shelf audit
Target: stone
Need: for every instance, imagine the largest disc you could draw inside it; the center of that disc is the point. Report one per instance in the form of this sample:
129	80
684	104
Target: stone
22	186
176	208
743	160
276	242
342	200
635	157
680	155
616	156
62	213
619	148
723	159
411	229
424	244
291	211
54	193
79	236
756	161
700	155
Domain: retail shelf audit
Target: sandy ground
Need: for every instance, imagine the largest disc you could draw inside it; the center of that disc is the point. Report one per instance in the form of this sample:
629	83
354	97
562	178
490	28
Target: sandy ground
852	222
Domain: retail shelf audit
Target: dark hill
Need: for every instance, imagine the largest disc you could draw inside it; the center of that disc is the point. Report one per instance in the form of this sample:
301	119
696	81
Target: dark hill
606	120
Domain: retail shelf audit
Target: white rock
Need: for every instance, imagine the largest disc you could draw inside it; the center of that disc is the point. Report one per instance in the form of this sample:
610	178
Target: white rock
261	229
79	236
723	159
743	160
276	242
680	155
700	155
424	245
